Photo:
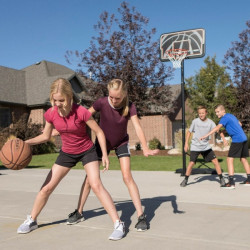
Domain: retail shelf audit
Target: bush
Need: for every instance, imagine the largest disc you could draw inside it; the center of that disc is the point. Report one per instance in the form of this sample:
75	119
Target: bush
155	144
25	130
138	146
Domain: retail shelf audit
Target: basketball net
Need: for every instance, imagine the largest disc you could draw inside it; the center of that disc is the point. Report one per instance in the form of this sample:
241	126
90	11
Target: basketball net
176	56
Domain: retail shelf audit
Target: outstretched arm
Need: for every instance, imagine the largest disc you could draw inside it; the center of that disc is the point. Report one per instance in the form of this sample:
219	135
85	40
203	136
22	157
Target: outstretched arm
216	129
142	138
44	137
225	142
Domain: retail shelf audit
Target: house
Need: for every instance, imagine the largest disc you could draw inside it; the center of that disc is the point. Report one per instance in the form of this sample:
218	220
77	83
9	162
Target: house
167	128
27	91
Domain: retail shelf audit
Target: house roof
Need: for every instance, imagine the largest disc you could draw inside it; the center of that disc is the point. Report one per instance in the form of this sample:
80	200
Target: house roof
12	85
31	85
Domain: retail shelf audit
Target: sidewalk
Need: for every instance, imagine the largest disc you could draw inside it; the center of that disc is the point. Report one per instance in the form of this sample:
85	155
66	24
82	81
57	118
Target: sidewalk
199	216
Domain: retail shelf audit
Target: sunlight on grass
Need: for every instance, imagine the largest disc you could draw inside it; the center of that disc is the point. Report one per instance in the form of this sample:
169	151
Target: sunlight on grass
138	163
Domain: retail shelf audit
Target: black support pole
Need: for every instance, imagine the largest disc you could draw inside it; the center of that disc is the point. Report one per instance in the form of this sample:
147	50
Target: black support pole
183	119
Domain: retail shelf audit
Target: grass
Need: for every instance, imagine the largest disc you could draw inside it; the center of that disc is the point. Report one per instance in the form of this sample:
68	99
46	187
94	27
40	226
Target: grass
138	163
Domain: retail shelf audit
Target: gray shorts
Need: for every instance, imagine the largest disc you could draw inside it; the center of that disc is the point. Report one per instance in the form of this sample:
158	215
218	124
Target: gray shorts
70	160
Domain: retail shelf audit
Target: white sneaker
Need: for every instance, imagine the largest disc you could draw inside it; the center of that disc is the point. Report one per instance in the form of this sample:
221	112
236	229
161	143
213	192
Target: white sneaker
119	231
28	226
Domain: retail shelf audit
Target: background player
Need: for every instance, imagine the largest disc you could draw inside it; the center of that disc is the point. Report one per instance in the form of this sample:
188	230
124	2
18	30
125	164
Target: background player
199	127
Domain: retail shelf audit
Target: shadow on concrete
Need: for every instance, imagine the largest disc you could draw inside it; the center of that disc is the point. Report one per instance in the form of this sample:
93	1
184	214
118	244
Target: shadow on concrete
127	208
237	178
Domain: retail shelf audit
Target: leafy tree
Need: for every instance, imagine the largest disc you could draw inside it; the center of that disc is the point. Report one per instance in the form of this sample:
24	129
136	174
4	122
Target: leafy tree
125	49
211	86
237	59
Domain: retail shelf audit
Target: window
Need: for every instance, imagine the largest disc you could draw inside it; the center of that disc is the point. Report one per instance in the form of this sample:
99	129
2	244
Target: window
5	117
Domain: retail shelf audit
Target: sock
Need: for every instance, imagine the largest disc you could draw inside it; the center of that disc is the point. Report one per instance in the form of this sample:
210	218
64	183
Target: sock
220	176
231	179
186	177
248	177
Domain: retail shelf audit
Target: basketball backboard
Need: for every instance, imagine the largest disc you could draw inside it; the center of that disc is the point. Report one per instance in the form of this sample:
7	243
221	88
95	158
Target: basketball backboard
191	40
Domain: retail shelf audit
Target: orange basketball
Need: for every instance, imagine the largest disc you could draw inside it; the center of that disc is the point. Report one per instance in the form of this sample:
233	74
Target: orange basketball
15	154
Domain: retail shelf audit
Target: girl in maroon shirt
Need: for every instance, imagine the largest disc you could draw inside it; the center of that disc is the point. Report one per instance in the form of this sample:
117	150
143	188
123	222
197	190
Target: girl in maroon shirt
115	111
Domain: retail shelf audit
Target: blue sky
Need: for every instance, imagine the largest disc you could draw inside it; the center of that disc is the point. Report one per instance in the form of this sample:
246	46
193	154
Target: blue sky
35	30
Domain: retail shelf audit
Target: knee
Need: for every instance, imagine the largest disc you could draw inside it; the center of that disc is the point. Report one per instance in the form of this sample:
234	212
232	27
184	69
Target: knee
46	191
96	187
128	179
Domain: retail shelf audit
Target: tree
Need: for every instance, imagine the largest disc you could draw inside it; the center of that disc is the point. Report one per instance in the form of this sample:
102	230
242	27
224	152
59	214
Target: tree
211	86
237	59
125	49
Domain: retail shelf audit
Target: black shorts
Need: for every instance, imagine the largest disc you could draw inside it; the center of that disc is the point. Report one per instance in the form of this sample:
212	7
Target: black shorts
121	151
207	155
238	150
70	160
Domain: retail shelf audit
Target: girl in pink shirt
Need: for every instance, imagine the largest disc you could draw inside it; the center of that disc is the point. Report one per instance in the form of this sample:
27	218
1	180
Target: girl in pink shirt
70	121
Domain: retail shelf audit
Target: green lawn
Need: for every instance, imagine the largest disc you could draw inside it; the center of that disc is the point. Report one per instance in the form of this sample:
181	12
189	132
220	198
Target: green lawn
152	163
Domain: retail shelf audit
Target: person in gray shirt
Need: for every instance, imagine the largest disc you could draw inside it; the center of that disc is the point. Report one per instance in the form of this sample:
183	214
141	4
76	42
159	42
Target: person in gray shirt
199	127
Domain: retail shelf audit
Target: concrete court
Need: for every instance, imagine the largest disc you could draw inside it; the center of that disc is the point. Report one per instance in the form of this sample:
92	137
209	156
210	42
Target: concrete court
200	216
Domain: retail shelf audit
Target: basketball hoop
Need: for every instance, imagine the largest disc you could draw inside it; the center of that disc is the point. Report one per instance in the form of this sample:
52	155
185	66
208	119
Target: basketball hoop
176	56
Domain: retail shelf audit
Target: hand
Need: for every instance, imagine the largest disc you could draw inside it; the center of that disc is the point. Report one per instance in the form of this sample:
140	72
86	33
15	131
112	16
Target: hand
147	152
203	137
225	143
105	163
55	132
186	147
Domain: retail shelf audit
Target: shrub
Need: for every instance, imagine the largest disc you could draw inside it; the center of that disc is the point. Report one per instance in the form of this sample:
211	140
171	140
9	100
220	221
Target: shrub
25	130
138	146
155	144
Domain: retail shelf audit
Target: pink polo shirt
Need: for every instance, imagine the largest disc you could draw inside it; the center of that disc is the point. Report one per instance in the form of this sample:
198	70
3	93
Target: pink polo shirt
72	128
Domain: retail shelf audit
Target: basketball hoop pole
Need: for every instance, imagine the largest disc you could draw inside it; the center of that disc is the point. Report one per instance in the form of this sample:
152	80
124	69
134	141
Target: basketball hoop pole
183	119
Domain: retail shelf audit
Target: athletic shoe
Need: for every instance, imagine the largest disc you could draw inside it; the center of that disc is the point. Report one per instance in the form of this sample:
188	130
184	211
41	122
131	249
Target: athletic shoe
245	183
228	186
119	231
142	224
184	183
28	226
74	218
222	182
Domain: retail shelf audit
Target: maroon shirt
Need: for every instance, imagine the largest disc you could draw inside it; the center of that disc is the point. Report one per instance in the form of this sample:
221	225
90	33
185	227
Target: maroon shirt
113	124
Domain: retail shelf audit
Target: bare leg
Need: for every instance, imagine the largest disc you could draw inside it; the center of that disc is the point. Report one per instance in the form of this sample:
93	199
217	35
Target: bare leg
131	185
84	193
246	165
230	166
217	166
55	175
93	173
189	168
